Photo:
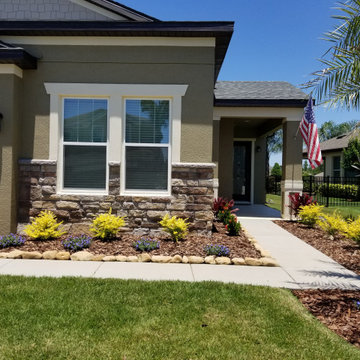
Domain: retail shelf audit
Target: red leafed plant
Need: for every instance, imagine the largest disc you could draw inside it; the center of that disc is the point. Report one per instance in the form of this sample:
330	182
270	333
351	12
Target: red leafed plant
222	204
297	200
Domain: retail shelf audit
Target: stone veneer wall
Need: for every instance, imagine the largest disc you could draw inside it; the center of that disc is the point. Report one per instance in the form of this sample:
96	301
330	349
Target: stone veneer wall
192	197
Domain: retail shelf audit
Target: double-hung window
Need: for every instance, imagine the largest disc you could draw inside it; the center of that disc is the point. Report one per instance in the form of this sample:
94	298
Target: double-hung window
84	145
147	145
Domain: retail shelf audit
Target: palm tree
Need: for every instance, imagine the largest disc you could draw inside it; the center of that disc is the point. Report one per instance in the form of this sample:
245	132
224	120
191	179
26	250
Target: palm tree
338	84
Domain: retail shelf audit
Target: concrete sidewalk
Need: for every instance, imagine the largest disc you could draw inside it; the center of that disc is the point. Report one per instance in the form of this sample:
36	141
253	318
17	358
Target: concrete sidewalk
301	266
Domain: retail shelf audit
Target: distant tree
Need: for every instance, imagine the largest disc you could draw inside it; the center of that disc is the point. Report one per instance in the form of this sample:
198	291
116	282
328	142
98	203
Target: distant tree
329	129
352	155
274	144
276	170
307	170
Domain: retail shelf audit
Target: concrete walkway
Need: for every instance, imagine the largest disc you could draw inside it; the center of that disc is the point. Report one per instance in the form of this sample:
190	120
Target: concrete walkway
301	266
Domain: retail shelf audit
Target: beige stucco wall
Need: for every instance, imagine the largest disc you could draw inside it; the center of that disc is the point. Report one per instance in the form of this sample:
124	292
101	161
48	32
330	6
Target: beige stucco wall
124	65
329	163
10	97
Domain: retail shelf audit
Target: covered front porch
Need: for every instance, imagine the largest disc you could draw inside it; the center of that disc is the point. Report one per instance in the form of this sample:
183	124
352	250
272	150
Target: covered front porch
240	130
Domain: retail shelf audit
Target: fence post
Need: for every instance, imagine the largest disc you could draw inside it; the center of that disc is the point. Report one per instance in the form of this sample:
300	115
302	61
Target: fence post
327	190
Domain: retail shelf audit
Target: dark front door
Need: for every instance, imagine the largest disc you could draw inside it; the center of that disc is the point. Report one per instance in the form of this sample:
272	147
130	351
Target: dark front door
242	171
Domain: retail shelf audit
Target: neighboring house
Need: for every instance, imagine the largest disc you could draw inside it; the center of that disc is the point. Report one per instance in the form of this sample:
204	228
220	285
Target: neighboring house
332	153
105	107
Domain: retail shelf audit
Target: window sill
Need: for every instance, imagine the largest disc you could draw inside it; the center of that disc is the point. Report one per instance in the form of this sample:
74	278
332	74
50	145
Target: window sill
146	194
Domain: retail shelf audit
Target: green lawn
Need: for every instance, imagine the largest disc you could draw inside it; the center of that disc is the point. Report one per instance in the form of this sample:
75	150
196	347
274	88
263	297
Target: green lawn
343	210
275	201
68	318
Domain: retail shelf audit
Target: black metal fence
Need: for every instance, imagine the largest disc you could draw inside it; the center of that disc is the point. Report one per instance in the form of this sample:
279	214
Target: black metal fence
328	191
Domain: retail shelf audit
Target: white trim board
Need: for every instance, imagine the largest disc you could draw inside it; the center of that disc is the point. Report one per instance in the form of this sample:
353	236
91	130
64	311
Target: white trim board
115	93
110	41
11	69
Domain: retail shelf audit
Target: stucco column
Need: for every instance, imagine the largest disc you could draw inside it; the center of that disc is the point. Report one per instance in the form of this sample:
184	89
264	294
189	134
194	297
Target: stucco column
226	150
291	164
215	154
10	92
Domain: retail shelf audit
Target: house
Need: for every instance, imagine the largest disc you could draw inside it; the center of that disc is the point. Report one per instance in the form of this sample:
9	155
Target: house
104	107
332	153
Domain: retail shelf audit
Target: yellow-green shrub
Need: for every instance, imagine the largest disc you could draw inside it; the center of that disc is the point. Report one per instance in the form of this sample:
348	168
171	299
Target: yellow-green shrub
176	227
44	227
332	224
106	226
309	215
352	230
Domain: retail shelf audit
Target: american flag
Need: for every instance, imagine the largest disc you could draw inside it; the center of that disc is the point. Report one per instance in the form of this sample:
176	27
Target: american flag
309	133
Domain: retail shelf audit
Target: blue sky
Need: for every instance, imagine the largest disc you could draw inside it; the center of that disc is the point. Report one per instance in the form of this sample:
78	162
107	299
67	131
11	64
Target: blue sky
273	39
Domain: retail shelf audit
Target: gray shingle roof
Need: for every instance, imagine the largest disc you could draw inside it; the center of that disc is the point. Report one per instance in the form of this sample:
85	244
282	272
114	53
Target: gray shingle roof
257	90
337	143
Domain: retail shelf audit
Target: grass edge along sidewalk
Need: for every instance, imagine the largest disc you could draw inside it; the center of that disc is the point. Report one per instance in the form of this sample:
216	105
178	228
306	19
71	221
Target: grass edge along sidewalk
274	202
71	318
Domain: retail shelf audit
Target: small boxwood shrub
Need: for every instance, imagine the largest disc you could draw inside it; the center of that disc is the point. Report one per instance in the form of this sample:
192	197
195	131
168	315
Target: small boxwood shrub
74	243
146	245
11	240
106	226
217	250
176	227
44	227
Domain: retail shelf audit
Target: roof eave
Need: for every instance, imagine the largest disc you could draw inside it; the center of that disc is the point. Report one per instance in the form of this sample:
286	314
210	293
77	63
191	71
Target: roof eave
18	57
299	103
221	30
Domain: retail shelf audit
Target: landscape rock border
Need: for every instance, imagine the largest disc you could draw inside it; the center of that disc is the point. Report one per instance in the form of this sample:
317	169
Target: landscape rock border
265	260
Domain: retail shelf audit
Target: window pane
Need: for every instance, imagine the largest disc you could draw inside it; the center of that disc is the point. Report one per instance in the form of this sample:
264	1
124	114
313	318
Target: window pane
147	121
85	120
84	167
336	162
146	168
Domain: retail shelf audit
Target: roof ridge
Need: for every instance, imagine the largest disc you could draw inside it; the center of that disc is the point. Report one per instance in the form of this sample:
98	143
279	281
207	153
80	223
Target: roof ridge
123	10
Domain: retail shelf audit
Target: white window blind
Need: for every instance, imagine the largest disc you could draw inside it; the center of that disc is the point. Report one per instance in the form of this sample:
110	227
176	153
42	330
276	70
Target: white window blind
85	143
147	144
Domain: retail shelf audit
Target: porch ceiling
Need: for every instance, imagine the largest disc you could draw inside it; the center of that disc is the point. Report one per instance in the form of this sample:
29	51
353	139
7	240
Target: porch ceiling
256	126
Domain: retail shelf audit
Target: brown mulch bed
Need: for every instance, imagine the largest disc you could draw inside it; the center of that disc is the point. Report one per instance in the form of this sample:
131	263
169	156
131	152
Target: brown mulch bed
193	245
345	252
336	309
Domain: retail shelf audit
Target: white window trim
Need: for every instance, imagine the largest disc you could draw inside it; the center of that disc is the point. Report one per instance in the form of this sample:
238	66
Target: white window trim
61	147
114	93
123	190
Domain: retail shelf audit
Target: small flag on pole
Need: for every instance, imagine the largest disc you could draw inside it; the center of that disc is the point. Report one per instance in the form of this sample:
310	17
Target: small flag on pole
309	133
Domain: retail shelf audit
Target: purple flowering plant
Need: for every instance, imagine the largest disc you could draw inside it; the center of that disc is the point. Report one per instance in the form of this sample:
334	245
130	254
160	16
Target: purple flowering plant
146	244
74	243
217	250
11	240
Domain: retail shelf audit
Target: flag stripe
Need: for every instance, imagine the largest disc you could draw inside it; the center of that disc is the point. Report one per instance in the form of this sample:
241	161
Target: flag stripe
309	133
